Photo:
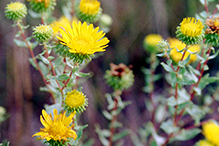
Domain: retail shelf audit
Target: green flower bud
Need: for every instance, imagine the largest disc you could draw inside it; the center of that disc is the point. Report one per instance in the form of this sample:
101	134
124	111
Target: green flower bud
43	33
120	77
88	10
15	11
190	31
40	6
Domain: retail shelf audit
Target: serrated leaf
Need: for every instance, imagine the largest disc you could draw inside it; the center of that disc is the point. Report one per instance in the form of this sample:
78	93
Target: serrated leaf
184	62
169	127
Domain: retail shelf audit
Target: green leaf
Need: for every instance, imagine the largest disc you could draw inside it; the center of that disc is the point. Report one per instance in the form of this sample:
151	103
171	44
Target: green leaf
34	14
44	59
43	68
32	63
214	56
184	62
187	134
196	112
168	127
120	135
79	130
205	80
20	43
167	67
107	115
80	74
61	77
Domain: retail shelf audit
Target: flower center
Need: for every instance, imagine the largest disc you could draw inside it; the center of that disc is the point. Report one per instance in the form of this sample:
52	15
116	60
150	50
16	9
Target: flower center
89	6
75	99
191	27
15	6
58	128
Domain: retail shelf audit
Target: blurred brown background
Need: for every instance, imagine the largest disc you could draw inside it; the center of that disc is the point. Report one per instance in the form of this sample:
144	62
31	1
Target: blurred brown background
132	21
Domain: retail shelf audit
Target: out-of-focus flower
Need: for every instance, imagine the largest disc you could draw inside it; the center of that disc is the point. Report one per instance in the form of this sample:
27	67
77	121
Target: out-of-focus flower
190	31
15	11
119	77
76	101
151	42
179	46
211	132
43	33
212	32
40	6
57	128
89	10
204	143
59	23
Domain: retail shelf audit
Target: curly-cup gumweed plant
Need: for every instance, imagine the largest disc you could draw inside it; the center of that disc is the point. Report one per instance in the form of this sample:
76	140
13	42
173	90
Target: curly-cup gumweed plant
177	113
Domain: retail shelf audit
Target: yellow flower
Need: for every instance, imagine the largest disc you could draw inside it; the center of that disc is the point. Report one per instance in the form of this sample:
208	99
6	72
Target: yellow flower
89	6
15	11
88	10
56	128
176	56
153	39
151	42
83	38
211	132
204	143
190	31
57	24
191	27
75	101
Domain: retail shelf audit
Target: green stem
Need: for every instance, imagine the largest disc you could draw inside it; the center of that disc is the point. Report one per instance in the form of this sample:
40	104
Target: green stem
53	69
112	128
34	59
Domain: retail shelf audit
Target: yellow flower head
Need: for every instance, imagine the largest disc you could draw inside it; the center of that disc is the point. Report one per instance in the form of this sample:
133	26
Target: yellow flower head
151	42
191	27
89	6
75	101
211	132
88	10
15	11
190	31
176	56
204	143
83	38
56	128
153	39
57	24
